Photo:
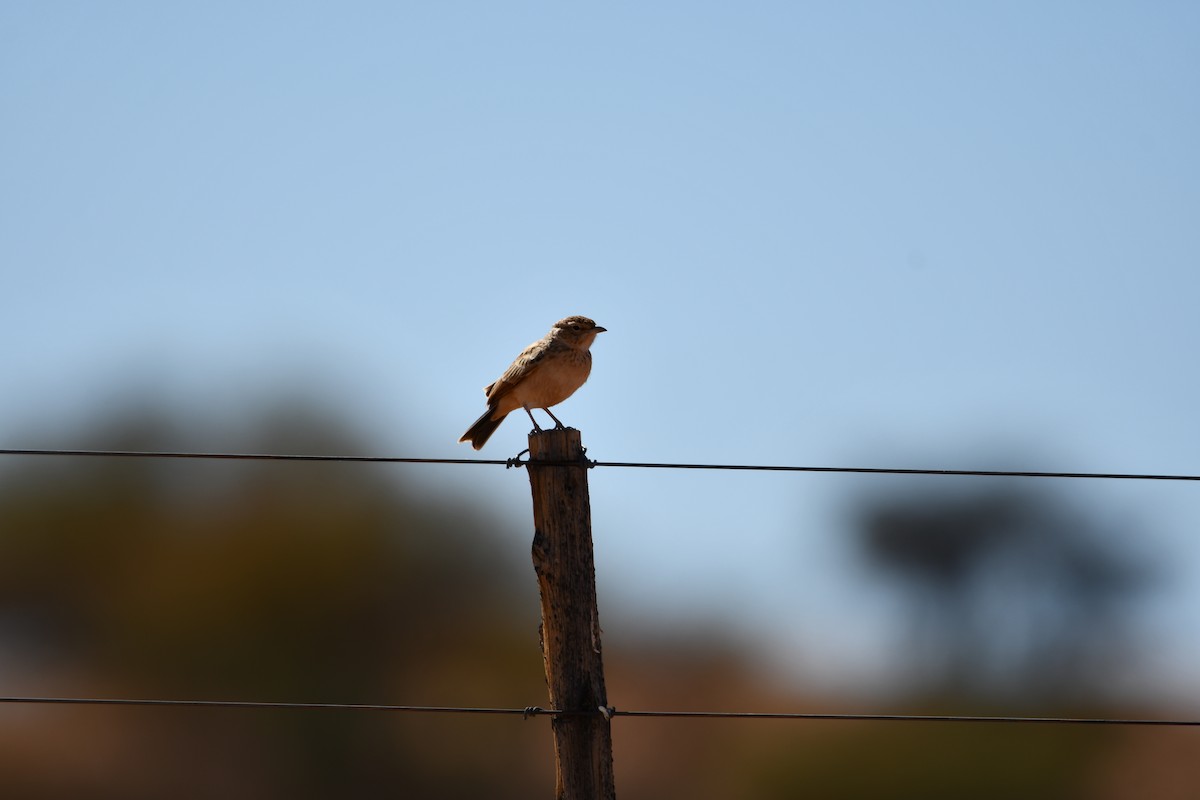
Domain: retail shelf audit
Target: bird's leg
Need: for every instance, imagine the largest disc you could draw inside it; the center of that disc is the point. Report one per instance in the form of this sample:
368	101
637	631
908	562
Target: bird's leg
536	427
557	425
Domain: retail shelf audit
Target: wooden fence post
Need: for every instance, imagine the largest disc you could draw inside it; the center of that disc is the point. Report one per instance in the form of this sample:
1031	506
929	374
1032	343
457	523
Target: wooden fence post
566	573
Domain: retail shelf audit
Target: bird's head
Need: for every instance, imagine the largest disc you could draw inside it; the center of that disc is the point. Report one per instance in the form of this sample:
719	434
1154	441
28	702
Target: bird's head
578	331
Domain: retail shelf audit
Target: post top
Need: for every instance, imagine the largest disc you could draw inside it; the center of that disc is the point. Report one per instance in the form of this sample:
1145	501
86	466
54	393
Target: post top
556	444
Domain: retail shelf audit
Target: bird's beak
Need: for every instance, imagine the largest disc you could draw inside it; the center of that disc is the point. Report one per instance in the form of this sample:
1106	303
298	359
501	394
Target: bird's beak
598	329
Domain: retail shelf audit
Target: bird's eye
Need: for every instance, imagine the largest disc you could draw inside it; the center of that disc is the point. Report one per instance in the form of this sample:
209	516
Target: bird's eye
574	327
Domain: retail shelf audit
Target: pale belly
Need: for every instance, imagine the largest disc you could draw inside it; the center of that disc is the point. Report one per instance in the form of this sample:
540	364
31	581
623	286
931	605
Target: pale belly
549	385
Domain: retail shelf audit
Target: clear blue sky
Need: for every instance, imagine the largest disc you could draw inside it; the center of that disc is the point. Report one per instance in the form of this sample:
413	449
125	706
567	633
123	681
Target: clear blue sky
882	234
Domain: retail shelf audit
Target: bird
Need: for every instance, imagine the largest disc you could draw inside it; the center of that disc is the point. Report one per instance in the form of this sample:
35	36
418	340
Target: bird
546	373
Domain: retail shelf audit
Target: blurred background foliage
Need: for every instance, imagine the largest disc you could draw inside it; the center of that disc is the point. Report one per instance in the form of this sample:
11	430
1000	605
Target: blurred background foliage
351	583
1009	590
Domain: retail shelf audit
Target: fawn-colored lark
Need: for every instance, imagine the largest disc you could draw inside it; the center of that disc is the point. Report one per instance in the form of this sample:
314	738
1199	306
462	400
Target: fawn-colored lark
546	373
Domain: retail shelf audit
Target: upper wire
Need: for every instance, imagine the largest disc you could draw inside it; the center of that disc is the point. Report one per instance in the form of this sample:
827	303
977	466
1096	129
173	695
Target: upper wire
511	462
607	712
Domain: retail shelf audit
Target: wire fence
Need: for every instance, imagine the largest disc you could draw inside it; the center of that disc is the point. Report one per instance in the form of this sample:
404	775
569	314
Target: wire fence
534	711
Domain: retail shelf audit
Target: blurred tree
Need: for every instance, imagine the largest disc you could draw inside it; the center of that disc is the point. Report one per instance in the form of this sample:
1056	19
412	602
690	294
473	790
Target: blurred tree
1010	591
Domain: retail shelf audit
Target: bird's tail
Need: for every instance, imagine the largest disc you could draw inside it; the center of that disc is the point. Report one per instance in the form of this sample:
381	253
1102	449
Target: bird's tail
482	429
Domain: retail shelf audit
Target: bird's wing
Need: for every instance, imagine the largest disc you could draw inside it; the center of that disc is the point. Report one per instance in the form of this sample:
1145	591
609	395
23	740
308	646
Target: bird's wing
530	359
